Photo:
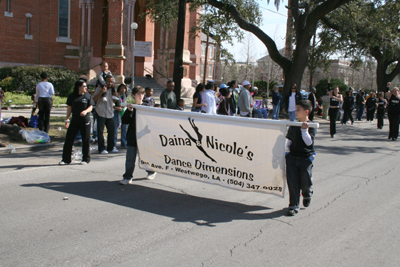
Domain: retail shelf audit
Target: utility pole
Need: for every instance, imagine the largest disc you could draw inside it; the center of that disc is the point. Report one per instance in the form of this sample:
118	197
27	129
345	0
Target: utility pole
206	56
180	35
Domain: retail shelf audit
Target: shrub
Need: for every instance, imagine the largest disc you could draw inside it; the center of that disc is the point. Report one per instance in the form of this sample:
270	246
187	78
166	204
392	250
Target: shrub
7	84
322	86
27	77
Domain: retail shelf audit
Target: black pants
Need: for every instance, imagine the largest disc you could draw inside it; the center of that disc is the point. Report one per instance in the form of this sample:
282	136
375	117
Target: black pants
333	115
299	177
109	123
45	104
394	125
347	115
370	114
311	116
74	127
379	116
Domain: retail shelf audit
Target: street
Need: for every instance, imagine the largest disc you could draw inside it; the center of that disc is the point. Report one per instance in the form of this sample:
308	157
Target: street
78	215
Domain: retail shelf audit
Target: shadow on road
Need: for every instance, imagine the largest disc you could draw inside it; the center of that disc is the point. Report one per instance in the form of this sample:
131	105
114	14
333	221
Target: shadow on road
179	206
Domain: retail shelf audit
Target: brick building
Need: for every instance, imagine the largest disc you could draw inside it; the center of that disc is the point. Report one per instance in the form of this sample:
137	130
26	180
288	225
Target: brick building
79	34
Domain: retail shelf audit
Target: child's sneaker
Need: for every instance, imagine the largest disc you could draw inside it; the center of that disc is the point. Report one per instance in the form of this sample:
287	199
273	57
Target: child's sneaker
125	181
292	212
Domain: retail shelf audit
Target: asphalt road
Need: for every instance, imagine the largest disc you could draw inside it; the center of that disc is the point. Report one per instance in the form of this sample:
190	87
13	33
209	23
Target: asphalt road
353	219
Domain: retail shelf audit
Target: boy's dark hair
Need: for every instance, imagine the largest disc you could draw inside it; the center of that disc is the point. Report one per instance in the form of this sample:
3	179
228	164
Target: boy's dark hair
224	92
181	100
43	75
147	89
305	104
137	89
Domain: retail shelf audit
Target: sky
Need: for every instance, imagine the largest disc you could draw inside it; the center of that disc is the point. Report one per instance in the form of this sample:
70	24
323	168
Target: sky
273	23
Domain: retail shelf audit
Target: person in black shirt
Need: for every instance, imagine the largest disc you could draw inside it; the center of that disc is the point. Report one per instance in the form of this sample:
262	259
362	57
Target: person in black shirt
360	102
80	105
382	103
299	158
335	99
197	98
371	106
313	100
394	113
348	106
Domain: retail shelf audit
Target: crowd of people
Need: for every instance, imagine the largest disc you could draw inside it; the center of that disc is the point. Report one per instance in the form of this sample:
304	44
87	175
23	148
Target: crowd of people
110	110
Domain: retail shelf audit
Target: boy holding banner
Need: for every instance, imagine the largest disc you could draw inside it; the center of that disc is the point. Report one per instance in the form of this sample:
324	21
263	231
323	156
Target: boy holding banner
129	117
299	158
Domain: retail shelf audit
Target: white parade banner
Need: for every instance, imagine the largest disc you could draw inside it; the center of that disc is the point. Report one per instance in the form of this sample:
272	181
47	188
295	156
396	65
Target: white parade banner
239	153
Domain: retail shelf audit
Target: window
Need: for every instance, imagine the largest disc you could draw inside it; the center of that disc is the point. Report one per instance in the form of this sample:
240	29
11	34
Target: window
203	49
28	26
210	71
8	12
63	21
211	52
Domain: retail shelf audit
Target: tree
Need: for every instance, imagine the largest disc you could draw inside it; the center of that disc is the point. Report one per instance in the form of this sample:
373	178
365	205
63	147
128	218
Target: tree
246	15
368	28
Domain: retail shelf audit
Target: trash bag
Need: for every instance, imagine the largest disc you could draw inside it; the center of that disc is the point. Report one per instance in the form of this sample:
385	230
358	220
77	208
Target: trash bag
35	136
33	122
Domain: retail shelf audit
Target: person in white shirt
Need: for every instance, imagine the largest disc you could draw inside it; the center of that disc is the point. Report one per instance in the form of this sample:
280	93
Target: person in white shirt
208	97
245	100
44	92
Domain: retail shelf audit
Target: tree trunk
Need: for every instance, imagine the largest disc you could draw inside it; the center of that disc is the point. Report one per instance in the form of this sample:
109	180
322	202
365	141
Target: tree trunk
178	68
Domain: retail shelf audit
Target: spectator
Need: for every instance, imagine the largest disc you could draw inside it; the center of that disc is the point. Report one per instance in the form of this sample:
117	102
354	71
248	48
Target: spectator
208	97
291	100
224	108
197	98
80	105
325	101
245	100
276	101
118	113
44	92
101	80
181	105
105	116
234	99
264	96
148	99
168	97
132	150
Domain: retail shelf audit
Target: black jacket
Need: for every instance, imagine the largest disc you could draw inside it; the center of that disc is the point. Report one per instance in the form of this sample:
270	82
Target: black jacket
129	117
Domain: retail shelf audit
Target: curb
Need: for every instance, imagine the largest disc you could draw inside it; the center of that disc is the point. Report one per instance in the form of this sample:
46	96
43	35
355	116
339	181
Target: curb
30	106
27	148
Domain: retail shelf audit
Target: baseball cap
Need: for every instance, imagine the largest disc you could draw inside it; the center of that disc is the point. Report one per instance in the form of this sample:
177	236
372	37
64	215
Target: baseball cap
246	83
222	86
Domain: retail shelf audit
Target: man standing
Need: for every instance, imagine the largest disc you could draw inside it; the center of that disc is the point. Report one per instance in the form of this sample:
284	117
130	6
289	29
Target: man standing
105	116
245	100
168	97
44	91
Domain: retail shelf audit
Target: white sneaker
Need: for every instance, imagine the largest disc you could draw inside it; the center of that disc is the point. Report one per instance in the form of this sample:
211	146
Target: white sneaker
104	99
115	150
84	163
151	176
62	163
115	98
104	152
125	181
